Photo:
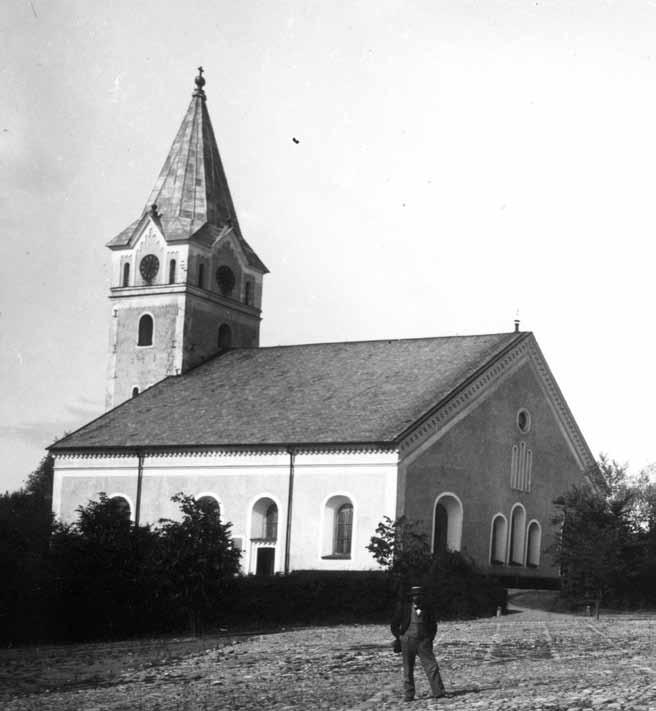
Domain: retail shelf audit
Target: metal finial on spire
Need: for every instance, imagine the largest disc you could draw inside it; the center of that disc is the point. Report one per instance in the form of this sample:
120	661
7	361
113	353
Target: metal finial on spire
200	83
517	321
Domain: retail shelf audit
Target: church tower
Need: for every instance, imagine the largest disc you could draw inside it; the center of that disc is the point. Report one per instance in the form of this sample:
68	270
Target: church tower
185	284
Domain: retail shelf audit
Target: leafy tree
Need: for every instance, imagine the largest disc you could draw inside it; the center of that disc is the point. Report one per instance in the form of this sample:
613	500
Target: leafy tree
200	560
401	548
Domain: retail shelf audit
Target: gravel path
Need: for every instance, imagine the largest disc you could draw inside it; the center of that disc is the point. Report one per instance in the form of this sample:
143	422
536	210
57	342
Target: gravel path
526	660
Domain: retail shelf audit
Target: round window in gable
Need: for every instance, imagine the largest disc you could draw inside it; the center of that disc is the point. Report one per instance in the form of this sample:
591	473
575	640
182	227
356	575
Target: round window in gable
524	421
225	278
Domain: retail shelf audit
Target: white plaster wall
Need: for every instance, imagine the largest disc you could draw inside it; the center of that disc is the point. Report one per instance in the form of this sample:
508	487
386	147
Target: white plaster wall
238	481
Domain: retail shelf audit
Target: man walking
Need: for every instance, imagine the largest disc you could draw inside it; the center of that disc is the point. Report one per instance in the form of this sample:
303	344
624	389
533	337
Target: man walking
414	623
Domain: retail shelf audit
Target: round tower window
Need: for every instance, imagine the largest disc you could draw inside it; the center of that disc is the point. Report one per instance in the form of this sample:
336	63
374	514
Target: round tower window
225	278
524	420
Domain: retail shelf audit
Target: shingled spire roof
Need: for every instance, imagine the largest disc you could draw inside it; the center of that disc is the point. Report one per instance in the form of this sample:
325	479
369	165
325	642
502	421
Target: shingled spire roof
191	196
192	183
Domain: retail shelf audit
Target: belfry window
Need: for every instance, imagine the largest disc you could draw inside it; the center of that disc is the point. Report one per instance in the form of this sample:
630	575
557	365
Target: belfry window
172	271
201	275
126	274
247	293
145	331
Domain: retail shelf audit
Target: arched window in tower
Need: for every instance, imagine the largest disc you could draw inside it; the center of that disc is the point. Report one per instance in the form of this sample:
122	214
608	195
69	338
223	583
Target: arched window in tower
145	331
201	275
126	274
224	340
248	288
172	271
225	280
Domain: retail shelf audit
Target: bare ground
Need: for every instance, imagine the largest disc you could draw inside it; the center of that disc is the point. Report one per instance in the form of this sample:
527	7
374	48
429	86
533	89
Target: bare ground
530	659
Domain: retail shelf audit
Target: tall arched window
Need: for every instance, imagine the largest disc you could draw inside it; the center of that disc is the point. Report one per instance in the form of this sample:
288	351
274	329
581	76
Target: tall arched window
247	293
517	532
145	331
343	529
447	523
120	507
201	275
499	540
337	539
271	522
209	505
172	271
126	274
533	544
224	340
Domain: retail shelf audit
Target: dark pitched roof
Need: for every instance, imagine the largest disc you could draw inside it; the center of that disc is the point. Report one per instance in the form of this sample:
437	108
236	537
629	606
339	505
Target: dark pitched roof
360	392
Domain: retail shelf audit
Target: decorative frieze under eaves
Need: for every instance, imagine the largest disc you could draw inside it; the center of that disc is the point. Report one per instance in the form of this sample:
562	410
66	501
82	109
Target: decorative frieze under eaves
207	452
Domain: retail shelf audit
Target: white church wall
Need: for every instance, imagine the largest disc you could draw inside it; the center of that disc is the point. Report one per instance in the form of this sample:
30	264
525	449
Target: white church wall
238	481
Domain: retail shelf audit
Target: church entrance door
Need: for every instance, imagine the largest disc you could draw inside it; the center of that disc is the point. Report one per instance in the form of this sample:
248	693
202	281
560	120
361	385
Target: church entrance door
265	559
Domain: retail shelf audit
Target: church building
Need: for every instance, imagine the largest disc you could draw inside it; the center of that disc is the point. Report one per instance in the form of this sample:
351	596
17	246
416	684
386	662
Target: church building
306	448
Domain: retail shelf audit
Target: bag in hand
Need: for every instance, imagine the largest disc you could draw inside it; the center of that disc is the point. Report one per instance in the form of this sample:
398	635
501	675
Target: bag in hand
396	646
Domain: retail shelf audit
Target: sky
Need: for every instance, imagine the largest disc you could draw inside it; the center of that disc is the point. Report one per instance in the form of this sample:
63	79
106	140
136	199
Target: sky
455	163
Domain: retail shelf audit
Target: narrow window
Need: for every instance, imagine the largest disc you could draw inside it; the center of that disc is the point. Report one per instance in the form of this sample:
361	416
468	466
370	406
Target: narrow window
533	545
517	533
201	275
271	522
135	391
247	293
498	543
343	529
145	331
172	271
126	274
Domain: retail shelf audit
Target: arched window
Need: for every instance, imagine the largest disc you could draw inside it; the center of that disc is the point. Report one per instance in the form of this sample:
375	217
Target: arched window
135	391
337	539
343	529
209	505
120	506
533	544
447	523
145	331
499	540
224	340
225	279
247	293
517	532
264	522
172	271
264	536
201	275
126	274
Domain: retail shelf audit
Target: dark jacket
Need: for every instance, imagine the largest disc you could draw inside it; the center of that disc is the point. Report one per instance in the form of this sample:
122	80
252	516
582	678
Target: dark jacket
401	619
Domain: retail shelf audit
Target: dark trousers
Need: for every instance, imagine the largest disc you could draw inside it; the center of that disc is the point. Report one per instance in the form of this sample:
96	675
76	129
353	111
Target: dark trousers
411	648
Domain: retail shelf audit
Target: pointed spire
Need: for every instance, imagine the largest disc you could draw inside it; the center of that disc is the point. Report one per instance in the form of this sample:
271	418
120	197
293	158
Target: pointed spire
192	184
